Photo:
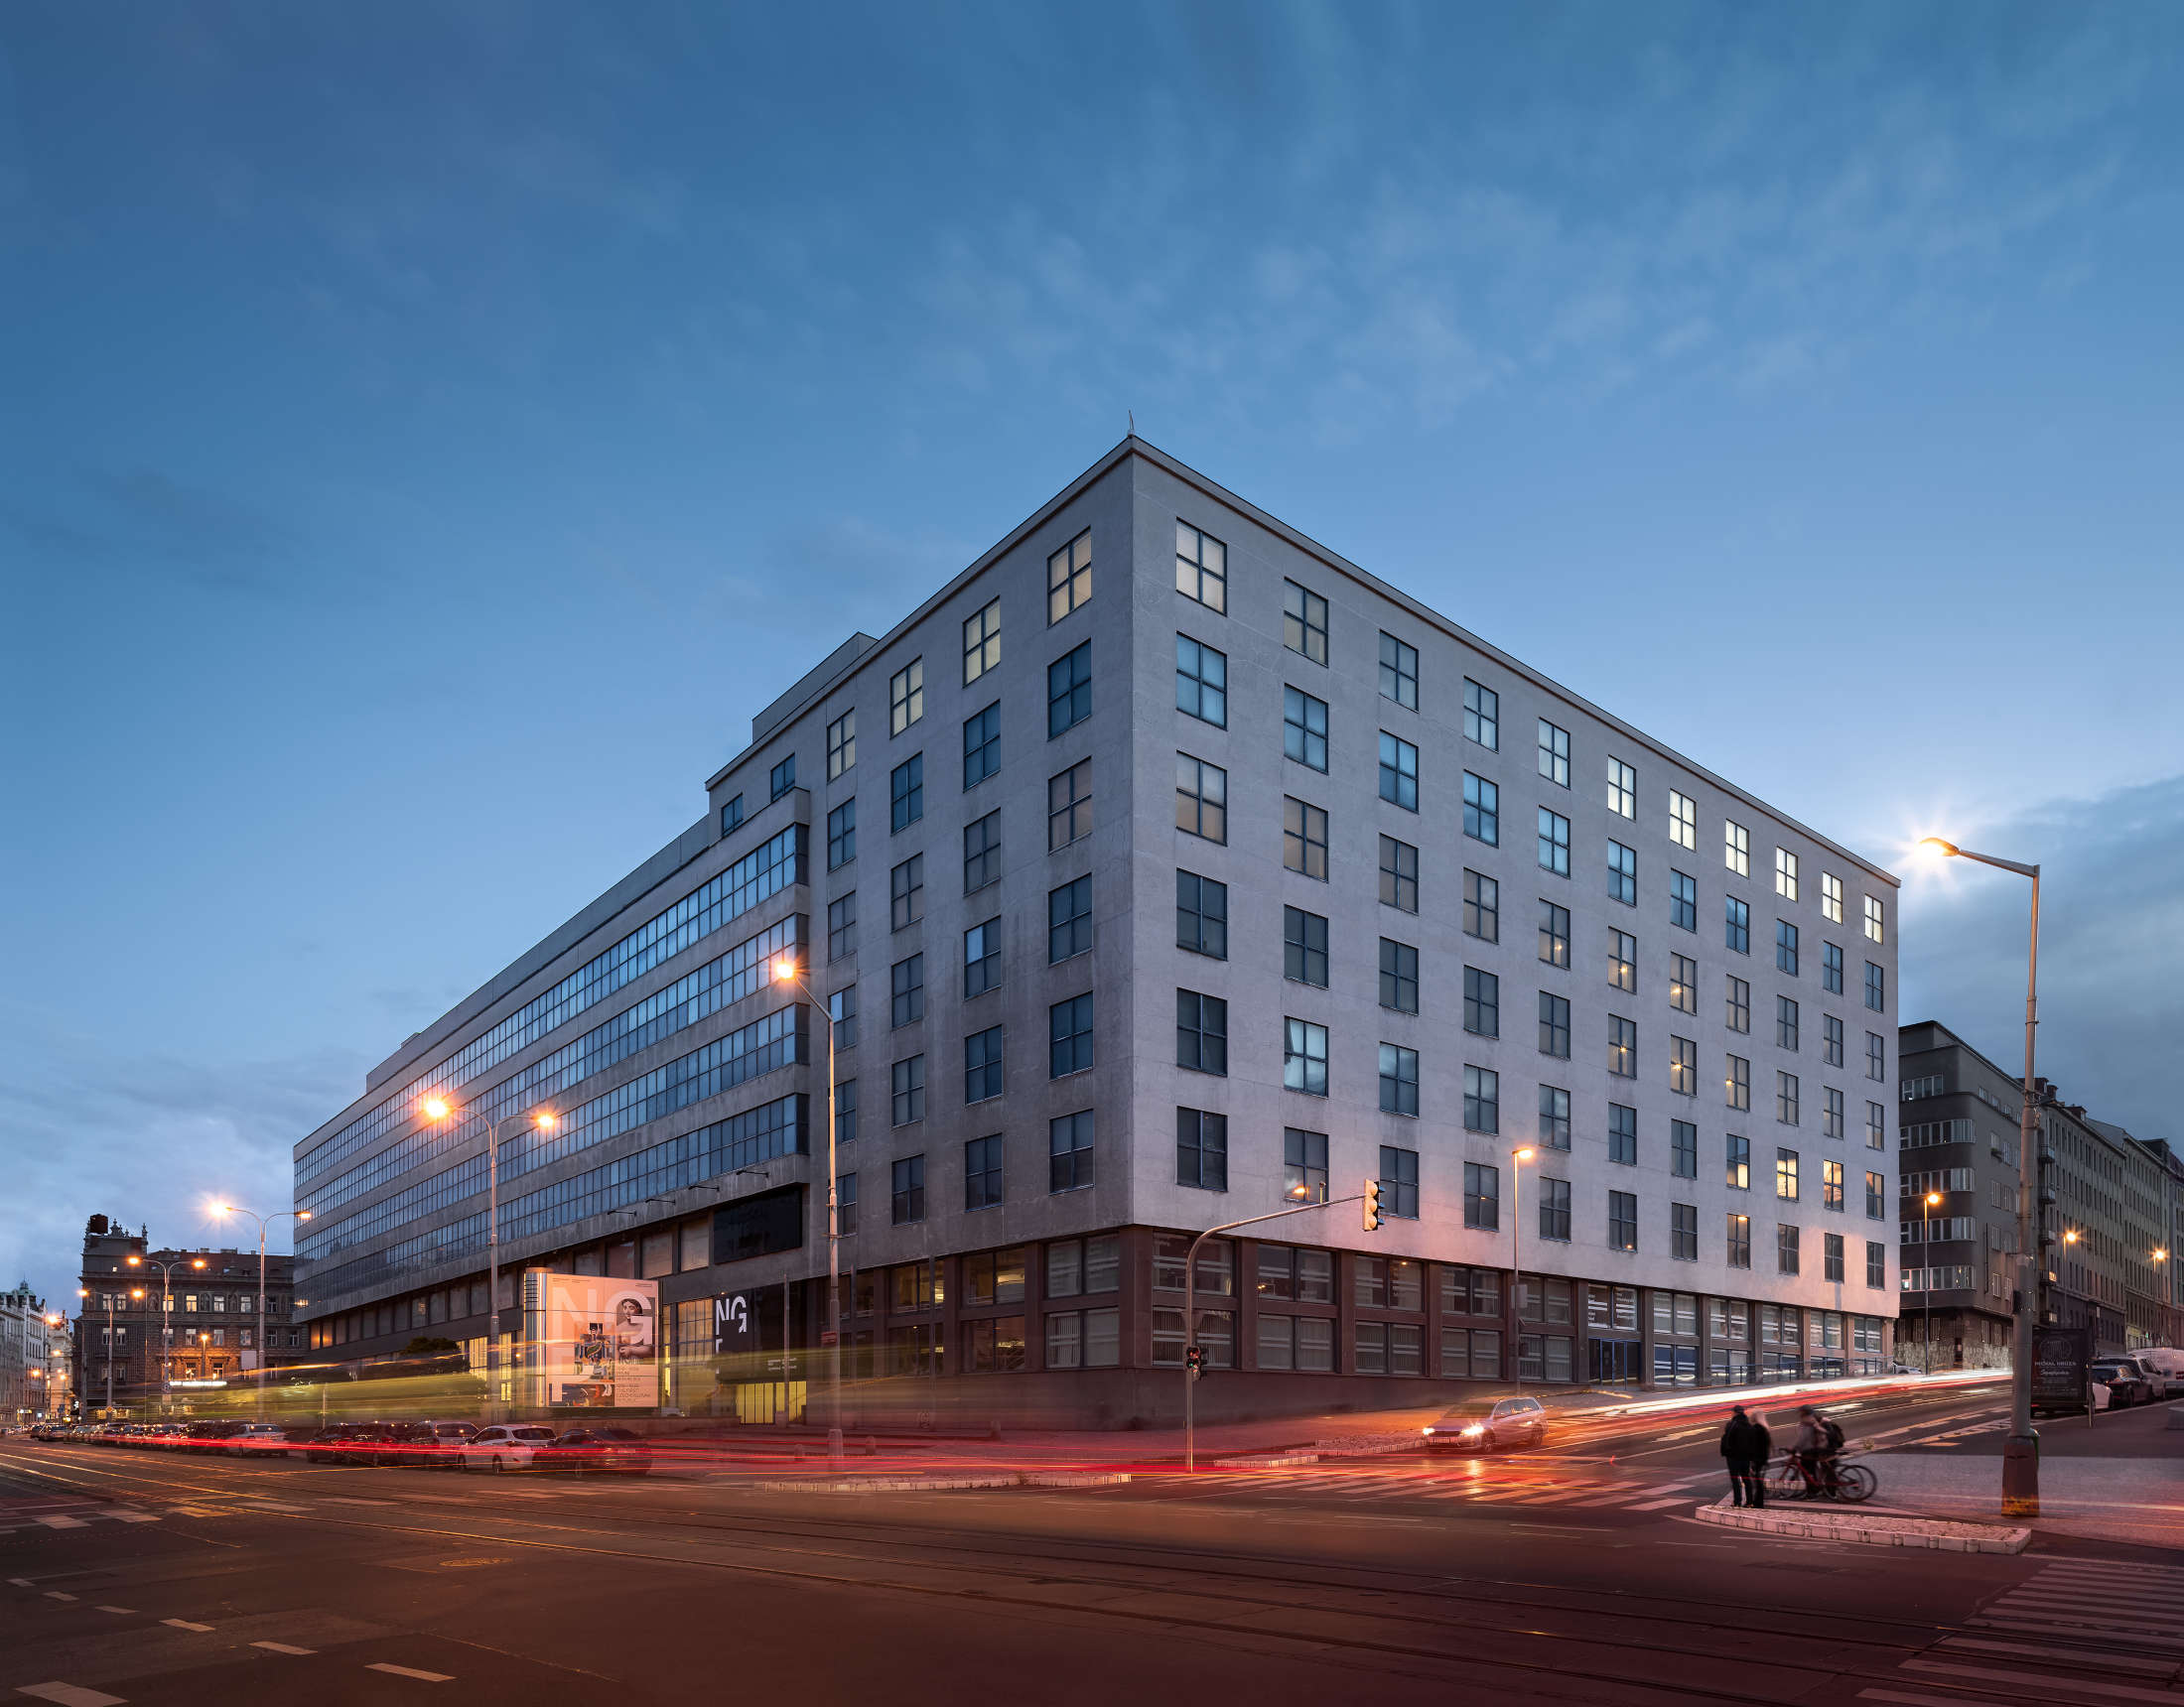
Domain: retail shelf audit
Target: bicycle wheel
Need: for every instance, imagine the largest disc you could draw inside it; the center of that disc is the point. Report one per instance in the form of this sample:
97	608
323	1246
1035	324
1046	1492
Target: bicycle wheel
1785	1483
1855	1483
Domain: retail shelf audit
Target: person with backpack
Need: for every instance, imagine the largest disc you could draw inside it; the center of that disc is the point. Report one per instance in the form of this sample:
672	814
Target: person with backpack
1745	1445
1818	1442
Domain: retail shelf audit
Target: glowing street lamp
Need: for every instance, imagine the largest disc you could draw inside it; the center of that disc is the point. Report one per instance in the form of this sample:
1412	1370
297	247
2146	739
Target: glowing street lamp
1517	1158
1926	1238
784	971
278	1215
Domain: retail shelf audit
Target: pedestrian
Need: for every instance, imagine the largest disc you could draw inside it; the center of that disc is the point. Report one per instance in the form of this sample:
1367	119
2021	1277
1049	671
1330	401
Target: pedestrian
1736	1452
1759	1446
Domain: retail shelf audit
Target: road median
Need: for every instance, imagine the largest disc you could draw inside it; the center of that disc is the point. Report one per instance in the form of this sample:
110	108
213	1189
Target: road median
1868	1528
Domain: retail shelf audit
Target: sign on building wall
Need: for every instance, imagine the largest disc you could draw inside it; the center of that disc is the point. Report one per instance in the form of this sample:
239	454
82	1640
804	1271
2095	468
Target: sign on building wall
595	1341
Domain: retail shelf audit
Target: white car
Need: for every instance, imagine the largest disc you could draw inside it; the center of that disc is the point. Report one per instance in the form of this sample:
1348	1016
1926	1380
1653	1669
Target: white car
507	1446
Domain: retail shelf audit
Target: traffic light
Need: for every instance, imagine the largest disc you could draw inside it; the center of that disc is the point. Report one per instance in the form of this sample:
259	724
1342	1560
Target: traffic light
1195	1359
1372	1206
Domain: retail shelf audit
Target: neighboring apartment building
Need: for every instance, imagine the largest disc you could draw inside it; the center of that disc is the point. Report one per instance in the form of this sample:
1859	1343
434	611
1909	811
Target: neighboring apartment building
25	1340
1164	870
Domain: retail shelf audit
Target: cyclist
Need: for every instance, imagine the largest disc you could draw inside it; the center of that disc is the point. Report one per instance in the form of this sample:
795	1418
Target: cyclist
1815	1449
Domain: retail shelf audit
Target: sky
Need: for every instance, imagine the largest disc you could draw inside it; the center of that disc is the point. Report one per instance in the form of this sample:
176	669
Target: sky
429	431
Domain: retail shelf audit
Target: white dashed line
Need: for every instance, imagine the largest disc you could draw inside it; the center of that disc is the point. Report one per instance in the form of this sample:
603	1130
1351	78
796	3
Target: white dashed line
18	1582
282	1647
57	1521
406	1672
184	1624
124	1611
56	1594
128	1515
68	1695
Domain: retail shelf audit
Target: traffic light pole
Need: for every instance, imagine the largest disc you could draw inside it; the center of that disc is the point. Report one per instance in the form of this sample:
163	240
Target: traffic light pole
1370	1196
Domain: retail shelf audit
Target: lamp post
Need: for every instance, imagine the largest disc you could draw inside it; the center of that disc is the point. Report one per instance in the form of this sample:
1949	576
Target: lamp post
1926	1249
85	1292
1517	1158
166	1326
784	971
258	1408
544	1120
2021	1452
204	1356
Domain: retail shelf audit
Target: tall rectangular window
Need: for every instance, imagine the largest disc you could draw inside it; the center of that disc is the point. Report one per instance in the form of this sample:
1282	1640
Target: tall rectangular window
1554	1026
1622	789
1786	1256
1877	1198
1831	1186
1481	1100
1304	947
1201	797
1398	1080
906	893
1623	1220
982	853
1553	843
1069	920
1622	960
1069	1151
1786	1027
732	816
1831	897
1830	1040
1740	1244
1786	1104
982	1065
909	1198
1069	805
1201	566
906	696
1683	1232
1877	1117
1554	1210
1786	947
1739	1153
981	745
981	1182
981	641
1398	874
1830	969
1684	1150
1876	1264
1305	837
1555	754
1683	1066
1740	1081
842	835
1622	874
1303	729
1201	1149
908	977
1738	934
1622	1046
907	793
1481	1002
1876	1057
842	744
1070	578
845	1120
784	776
1786	873
1830	1112
1398	771
842	926
1873	927
1303	622
1554	935
1682	820
981	959
906	1090
1481	1197
1201	915
1481	906
1736	848
1398	671
1481	810
1786	1175
1738	1014
1069	1036
1554	1117
1201	1032
1398	976
1202	682
1683	901
1069	690
1683	984
1481	715
1399	1182
1303	1166
1877	987
1305	1057
1622	1134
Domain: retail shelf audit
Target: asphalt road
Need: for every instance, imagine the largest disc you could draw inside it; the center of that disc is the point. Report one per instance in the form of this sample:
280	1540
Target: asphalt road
136	1576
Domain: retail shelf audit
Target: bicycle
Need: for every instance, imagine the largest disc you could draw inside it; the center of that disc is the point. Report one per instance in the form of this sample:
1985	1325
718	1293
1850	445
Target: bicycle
1854	1484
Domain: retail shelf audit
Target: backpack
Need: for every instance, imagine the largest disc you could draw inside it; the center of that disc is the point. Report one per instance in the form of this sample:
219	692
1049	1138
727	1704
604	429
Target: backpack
1833	1433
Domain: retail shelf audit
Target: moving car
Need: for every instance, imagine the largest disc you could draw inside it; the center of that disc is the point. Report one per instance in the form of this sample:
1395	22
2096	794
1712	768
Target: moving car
507	1446
613	1451
1489	1424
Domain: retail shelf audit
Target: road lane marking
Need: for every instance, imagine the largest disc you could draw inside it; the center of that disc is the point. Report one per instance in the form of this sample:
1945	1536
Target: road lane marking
70	1695
1661	1504
2060	1685
56	1594
184	1624
1929	1700
18	1582
129	1514
124	1611
57	1521
409	1671
2078	1656
351	1499
282	1647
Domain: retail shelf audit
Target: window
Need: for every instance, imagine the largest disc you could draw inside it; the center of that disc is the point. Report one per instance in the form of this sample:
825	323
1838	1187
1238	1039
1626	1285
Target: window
1069	805
1201	566
1306	1276
1304	622
1739	1241
1875	1115
907	793
1304	1166
981	641
1739	926
1622	789
1399	1182
908	979
1554	1026
842	1013
1069	690
1304	947
1481	810
1202	682
1553	843
1069	1150
1304	728
1398	874
981	959
1201	797
1201	1149
1399	773
1622	1047
908	1091
1683	901
1683	1149
1740	1081
1876	1057
842	835
1481	907
1481	1002
1554	1210
1398	976
1398	1080
1305	1057
1830	969
906	696
1785	873
1786	947
1069	920
841	743
732	815
1481	715
1623	1220
1622	1134
982	1173
1786	1098
1873	919
982	853
1683	1066
1481	1197
1201	915
1876	1207
1554	1117
982	1068
783	778
1069	1036
1740	1016
1683	1232
1876	1264
1786	1249
1736	848
1554	934
1877	987
1555	754
1739	1153
1481	1100
1830	1112
1831	897
1830	1041
1070	578
1684	983
1201	1032
906	893
982	745
1622	960
1831	1186
1682	820
1397	672
1305	837
1786	1175
1785	1023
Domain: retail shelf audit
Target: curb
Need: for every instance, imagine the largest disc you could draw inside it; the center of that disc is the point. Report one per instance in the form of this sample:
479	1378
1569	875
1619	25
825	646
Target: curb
1265	1461
948	1484
1369	1445
1936	1533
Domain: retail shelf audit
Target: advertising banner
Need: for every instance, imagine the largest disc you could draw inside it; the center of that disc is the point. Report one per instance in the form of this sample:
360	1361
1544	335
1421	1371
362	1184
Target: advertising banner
597	1340
2060	1356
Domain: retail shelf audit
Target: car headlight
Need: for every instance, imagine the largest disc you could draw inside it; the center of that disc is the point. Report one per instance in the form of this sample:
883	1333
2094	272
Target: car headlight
1475	1428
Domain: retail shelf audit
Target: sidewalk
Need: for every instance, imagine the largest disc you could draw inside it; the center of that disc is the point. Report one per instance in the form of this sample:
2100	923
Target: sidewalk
2133	1499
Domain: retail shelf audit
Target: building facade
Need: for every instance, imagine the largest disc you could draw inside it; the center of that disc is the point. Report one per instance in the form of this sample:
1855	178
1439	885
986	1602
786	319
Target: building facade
25	1338
1161	870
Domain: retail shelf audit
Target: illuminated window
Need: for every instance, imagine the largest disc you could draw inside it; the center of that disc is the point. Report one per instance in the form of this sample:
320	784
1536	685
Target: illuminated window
1069	577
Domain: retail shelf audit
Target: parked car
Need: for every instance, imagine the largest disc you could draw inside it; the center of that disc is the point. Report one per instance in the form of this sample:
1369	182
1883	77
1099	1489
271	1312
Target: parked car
613	1451
2158	1383
507	1446
254	1440
1489	1424
358	1443
2169	1360
2126	1380
434	1445
207	1436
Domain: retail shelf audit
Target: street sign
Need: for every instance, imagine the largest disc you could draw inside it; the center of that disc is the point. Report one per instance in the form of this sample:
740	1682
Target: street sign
828	1337
2060	1357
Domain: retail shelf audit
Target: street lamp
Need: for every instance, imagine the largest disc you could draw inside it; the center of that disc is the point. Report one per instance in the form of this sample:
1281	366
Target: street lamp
85	1292
784	971
166	1326
544	1120
262	1219
2021	1452
204	1356
1517	1158
1926	1244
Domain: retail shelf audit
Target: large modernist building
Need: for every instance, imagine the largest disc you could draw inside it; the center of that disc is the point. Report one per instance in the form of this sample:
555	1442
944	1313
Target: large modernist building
1160	871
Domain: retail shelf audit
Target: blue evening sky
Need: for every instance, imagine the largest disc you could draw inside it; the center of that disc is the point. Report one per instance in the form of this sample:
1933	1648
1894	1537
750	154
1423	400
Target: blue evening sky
432	430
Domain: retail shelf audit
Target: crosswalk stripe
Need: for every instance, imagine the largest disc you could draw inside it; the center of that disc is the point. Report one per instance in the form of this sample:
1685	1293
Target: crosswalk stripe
130	1514
57	1521
2024	1601
2076	1656
410	1671
2144	1635
2058	1685
70	1695
185	1623
1657	1504
1931	1700
282	1647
